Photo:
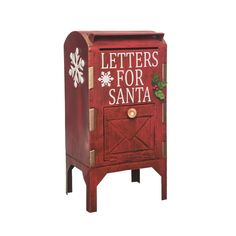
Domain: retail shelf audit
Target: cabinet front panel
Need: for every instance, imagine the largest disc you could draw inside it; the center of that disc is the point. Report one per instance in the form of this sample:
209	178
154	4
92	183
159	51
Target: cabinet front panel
129	115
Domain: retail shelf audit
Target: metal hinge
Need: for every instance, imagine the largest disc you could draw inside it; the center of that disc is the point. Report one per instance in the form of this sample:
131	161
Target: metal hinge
90	77
164	72
92	123
92	157
164	150
163	112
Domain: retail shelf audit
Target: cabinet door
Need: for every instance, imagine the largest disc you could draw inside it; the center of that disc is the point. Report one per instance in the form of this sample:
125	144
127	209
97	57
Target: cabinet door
130	132
123	81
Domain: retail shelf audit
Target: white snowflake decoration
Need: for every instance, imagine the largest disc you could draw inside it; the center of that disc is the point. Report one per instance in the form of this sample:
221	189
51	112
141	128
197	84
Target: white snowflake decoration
77	67
105	78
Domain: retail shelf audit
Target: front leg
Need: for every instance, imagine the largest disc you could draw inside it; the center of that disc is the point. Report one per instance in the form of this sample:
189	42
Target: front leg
92	178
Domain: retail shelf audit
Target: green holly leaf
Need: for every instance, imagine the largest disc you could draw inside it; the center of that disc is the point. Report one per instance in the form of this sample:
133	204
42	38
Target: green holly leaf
155	79
154	82
159	94
161	84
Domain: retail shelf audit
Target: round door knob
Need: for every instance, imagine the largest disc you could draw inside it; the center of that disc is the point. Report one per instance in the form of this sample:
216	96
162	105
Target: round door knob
132	113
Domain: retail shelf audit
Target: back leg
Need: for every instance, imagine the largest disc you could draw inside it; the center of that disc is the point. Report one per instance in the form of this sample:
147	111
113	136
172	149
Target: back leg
69	178
135	175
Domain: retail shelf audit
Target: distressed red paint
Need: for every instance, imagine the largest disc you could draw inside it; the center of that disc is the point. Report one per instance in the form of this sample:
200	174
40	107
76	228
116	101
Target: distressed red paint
114	122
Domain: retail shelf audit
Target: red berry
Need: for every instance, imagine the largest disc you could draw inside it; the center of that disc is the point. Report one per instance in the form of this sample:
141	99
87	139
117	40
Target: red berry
155	87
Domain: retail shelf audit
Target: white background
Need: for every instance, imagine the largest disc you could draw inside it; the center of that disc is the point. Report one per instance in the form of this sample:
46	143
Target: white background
201	122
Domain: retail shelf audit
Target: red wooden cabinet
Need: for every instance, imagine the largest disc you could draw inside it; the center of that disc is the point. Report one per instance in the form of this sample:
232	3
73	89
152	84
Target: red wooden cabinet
115	106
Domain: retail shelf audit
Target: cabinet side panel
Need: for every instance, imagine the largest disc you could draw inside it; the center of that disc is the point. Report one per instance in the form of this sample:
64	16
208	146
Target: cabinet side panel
76	98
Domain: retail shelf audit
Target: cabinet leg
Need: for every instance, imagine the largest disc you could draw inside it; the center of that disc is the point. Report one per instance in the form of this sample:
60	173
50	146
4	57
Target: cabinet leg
69	179
91	197
92	178
164	187
135	175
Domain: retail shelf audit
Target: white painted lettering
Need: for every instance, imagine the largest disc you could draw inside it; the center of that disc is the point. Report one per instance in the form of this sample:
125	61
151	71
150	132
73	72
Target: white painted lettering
129	80
103	62
147	57
155	59
112	97
139	59
139	89
113	64
146	95
120	96
129	95
138	76
120	74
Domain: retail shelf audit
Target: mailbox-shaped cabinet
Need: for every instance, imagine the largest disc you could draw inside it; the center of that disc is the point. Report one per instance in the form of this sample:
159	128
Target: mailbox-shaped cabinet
115	106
